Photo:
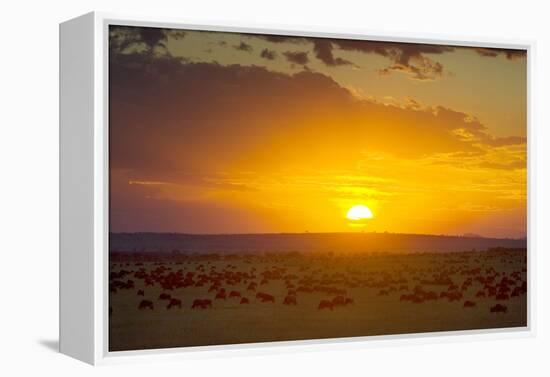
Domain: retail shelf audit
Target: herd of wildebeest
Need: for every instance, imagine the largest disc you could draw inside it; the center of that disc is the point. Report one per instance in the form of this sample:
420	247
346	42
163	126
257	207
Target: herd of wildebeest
168	282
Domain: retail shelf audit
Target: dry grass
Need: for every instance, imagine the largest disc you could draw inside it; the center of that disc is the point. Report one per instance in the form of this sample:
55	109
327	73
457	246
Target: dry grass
362	277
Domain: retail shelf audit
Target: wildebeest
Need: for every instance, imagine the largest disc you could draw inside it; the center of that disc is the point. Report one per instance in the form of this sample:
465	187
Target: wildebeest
145	304
201	303
499	308
325	304
174	302
290	300
469	304
406	297
220	295
140	292
265	297
244	300
234	294
164	296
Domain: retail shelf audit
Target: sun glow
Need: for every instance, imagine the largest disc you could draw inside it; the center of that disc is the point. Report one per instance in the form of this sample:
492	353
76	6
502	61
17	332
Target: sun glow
359	212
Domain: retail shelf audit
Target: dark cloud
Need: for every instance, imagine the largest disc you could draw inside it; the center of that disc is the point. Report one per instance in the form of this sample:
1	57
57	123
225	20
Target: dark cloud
408	58
268	54
509	54
231	113
414	59
323	51
243	47
296	57
124	38
428	70
278	38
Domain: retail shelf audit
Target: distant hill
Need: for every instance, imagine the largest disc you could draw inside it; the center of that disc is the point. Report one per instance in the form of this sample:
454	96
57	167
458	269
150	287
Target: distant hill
304	242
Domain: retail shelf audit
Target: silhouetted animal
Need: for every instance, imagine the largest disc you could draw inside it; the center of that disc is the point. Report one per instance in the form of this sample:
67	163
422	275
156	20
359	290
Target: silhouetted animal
234	294
498	308
164	296
469	304
201	303
140	292
265	297
145	304
325	304
173	303
244	300
290	300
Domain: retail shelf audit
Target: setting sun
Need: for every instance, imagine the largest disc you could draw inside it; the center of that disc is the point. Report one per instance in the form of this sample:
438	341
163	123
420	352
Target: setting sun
359	212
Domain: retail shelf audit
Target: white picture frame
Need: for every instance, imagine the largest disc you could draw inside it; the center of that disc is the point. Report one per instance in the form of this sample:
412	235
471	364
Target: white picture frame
84	191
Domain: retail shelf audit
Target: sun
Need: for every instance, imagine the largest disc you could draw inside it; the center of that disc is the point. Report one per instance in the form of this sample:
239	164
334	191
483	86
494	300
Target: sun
359	212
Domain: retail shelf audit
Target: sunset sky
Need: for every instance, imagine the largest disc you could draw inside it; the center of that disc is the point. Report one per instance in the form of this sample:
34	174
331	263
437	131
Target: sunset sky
241	133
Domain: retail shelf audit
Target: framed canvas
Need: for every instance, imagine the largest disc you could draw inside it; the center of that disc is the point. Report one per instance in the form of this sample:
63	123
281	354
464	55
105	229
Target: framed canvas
230	188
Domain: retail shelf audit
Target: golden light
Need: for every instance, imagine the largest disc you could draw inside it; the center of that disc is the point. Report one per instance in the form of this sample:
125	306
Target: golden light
359	212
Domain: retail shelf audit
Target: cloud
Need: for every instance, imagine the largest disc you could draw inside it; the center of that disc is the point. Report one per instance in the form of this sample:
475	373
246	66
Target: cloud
510	54
323	51
296	57
245	115
124	38
243	47
426	70
414	59
409	58
268	54
278	38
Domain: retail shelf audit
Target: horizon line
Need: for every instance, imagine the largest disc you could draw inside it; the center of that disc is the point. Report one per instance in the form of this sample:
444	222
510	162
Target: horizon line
465	235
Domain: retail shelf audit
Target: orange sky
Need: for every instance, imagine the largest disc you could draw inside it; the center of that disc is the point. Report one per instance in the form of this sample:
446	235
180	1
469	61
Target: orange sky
232	133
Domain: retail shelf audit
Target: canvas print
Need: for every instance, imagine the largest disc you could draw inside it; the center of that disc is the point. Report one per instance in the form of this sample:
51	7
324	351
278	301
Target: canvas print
271	188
